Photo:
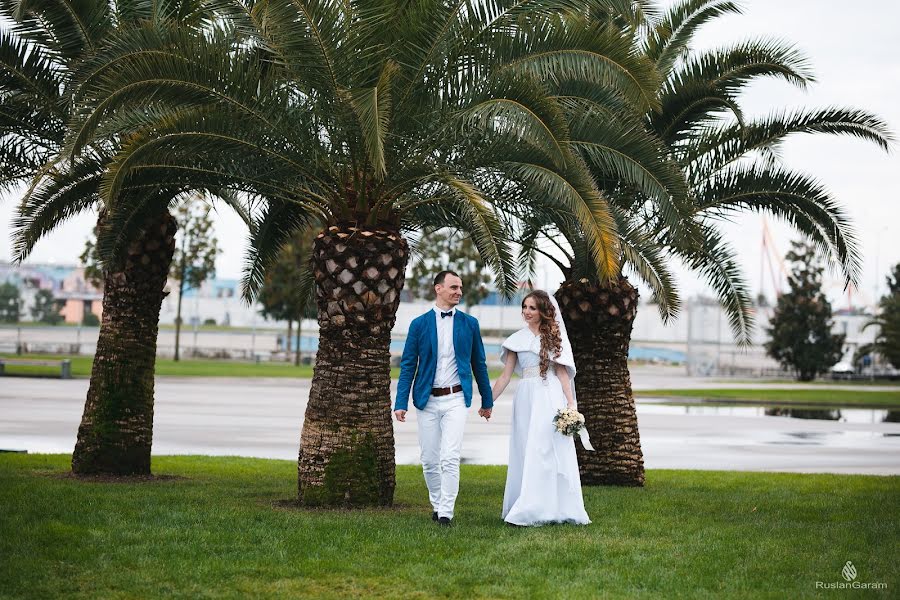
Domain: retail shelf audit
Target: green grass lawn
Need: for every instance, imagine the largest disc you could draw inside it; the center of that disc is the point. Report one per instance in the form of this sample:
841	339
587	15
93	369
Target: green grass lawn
162	326
822	397
81	367
218	528
823	381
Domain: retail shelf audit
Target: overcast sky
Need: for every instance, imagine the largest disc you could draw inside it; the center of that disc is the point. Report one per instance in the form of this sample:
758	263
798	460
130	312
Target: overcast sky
853	54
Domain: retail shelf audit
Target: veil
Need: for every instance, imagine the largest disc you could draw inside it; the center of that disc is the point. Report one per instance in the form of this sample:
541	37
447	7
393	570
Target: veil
567	359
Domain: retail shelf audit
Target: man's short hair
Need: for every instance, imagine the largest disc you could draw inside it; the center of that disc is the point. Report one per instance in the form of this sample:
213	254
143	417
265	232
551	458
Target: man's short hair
439	278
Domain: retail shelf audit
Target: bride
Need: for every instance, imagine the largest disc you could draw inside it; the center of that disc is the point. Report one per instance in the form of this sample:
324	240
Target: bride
542	483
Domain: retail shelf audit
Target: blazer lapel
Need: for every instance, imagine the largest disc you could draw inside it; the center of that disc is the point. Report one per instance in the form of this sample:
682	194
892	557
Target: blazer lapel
432	334
457	333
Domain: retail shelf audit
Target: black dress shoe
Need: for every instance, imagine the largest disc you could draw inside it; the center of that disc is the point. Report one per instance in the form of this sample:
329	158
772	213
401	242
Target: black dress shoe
445	521
434	516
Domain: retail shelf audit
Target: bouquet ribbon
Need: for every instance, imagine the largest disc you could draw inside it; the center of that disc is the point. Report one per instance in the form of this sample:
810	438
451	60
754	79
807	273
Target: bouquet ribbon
585	439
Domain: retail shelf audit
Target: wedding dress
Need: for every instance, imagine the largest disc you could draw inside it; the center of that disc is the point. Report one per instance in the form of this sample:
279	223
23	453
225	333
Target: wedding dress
542	484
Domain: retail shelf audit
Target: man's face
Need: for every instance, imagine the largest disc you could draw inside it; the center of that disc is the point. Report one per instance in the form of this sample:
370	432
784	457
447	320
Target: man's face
449	293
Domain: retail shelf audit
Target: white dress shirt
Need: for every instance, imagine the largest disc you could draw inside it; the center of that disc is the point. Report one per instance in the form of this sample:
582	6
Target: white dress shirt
447	373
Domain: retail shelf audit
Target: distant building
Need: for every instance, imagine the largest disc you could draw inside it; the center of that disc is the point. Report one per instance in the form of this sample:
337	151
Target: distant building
216	300
79	297
74	294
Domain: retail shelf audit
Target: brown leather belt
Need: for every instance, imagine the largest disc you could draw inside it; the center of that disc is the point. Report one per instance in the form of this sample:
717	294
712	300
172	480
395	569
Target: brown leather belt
445	391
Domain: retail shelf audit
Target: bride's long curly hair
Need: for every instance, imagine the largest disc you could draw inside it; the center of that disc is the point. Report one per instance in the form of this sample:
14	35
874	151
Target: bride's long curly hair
551	340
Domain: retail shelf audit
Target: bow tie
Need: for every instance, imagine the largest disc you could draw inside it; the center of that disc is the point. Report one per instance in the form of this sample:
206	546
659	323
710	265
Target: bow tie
446	314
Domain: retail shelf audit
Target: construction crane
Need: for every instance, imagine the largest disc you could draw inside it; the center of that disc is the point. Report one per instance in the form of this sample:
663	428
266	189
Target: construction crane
772	263
770	257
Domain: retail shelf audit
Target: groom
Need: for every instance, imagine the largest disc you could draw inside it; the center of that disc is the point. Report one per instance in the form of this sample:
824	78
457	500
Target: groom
443	350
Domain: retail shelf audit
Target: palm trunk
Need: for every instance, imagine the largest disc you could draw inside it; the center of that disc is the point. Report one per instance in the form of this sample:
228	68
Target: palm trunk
117	426
347	445
599	320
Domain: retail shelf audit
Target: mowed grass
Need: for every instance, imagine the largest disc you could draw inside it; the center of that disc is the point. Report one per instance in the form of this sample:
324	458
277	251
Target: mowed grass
808	397
826	381
81	367
219	529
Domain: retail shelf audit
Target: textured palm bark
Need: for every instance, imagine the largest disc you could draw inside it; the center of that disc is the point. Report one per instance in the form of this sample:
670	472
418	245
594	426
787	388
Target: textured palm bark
347	444
599	320
116	429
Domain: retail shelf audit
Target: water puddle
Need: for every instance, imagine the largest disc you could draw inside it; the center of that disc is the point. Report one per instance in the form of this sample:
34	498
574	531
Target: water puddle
664	406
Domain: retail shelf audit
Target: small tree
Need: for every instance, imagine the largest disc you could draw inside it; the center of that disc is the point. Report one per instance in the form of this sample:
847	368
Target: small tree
195	257
442	249
46	308
287	294
90	260
887	342
10	303
800	332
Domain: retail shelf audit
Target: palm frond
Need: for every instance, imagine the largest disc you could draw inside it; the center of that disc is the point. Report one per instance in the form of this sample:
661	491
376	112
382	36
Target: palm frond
281	32
69	28
672	36
373	108
222	144
519	110
797	198
720	146
57	198
717	263
707	85
647	258
142	202
268	235
476	218
576	193
174	68
582	51
627	155
28	72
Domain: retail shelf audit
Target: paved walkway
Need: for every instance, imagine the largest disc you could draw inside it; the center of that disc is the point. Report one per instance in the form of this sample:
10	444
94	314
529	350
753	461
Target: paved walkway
263	417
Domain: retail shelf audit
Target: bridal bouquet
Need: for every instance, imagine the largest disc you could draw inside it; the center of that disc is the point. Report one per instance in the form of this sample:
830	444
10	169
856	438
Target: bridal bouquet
569	421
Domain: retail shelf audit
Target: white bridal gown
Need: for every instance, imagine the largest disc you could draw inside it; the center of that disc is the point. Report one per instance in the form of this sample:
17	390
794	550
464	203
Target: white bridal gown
542	483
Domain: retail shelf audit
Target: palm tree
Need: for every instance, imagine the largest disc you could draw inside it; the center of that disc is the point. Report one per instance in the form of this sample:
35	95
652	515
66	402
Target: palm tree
38	59
730	165
376	120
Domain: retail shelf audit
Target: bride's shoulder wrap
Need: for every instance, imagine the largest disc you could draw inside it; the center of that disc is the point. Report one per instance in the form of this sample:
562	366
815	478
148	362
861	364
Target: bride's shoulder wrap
520	341
524	341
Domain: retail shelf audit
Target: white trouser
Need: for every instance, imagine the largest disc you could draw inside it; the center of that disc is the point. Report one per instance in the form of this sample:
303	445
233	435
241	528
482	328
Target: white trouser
441	425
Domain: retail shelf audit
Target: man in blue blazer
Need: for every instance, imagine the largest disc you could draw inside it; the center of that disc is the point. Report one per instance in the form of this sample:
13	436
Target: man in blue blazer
443	353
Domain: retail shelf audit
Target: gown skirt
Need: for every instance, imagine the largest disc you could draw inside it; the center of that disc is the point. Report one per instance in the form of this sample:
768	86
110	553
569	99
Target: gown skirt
542	483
